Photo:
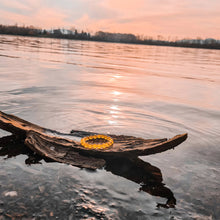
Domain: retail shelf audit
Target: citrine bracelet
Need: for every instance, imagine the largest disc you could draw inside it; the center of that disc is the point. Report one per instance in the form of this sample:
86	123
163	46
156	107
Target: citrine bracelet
93	142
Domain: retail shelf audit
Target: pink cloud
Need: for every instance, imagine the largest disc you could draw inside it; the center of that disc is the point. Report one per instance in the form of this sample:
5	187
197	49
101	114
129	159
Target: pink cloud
149	17
44	17
15	4
49	17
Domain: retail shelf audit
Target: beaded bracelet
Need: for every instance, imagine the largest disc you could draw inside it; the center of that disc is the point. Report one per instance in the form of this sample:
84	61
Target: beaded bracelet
108	142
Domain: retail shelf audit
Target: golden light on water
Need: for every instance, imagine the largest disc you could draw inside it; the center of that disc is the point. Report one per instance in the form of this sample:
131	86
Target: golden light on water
116	93
117	76
114	107
115	110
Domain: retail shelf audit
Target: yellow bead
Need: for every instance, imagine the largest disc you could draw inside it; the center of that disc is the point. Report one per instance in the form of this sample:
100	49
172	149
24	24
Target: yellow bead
108	142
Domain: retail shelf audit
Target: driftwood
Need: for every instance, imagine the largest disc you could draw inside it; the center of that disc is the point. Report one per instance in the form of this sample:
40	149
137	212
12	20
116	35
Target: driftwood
134	169
66	148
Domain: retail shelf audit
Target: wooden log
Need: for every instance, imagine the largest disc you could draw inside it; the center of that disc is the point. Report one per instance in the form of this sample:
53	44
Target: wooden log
123	146
66	148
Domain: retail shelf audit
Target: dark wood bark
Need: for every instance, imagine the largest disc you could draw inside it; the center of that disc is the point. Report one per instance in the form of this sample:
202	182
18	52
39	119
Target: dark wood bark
17	125
123	146
66	148
60	152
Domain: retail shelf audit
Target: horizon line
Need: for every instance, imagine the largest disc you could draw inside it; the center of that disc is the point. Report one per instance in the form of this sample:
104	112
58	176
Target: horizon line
163	38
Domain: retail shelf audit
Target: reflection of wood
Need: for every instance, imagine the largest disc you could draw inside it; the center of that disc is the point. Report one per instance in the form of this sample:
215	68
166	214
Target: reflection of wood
11	146
134	169
66	148
141	172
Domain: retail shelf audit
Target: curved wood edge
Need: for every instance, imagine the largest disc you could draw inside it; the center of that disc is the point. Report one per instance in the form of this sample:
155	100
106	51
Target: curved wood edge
16	125
167	145
152	146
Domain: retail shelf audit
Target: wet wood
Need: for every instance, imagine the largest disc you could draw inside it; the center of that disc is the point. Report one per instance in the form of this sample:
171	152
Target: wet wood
66	148
122	147
134	169
60	153
17	125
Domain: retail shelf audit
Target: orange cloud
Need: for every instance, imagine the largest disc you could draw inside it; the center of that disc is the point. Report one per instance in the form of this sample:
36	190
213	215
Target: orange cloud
149	17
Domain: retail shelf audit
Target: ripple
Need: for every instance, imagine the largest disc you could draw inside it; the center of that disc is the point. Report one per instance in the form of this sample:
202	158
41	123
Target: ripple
143	91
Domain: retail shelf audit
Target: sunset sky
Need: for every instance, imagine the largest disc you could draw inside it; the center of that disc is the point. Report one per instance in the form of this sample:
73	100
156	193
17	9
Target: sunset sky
174	18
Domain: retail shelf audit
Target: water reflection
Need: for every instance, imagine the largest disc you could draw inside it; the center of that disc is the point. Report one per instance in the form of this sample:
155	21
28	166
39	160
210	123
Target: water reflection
149	177
114	112
143	173
164	91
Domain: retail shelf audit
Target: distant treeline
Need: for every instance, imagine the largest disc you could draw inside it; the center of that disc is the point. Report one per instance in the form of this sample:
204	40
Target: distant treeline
107	37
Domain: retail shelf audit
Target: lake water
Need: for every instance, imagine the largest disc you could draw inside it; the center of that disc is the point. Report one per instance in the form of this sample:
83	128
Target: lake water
138	90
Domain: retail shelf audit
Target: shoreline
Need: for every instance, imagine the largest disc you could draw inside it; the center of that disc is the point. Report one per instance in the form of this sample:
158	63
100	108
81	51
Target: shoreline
138	42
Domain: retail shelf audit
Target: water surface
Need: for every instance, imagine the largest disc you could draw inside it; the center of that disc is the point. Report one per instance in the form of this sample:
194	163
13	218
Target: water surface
138	90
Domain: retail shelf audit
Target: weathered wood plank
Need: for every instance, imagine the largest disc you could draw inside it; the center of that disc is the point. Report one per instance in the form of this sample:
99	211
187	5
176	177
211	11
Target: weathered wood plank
120	148
66	148
61	153
17	125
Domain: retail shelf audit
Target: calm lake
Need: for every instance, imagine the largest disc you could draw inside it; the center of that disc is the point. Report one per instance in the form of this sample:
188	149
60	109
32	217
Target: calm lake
138	90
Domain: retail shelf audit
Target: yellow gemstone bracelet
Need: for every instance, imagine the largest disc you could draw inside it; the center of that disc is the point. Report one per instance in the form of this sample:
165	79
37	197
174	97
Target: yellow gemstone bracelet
96	142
